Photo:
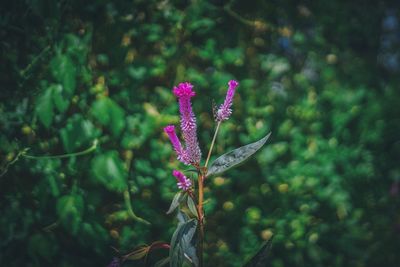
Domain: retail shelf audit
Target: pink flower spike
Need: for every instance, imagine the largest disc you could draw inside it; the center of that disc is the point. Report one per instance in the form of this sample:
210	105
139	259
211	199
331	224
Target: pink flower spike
225	110
184	92
183	182
176	144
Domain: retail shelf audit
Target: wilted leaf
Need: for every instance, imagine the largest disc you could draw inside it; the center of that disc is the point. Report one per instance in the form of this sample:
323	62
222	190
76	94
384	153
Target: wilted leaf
181	245
178	198
235	157
260	258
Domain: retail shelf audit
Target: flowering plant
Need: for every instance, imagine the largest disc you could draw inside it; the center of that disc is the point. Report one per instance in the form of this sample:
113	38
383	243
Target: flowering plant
187	241
186	246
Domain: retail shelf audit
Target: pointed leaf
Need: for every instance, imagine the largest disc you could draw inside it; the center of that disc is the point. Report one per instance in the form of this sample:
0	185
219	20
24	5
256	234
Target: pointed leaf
181	245
260	258
178	198
235	157
139	253
192	206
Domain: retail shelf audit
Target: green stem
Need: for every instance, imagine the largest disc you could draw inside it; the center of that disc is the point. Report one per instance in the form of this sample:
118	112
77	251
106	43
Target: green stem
23	154
80	153
34	61
212	144
128	204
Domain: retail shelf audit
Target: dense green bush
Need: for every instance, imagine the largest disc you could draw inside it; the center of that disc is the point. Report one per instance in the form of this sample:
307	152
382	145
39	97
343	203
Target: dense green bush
97	78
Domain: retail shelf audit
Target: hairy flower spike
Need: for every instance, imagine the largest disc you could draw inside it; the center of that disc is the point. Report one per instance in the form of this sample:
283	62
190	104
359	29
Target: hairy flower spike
184	93
183	182
176	144
225	110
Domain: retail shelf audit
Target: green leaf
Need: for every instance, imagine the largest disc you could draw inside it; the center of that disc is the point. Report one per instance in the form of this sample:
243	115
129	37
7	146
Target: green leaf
70	210
64	72
39	246
182	217
109	114
60	99
44	108
260	258
77	133
178	198
139	253
234	157
192	206
181	244
109	170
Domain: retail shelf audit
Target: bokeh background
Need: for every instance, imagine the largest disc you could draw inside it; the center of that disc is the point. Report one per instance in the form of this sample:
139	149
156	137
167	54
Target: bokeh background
323	76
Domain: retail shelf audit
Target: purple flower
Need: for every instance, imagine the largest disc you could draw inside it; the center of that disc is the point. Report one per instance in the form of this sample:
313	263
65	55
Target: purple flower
184	93
224	111
176	144
183	182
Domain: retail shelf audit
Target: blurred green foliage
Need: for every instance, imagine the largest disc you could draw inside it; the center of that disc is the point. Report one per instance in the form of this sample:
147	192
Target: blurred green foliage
326	186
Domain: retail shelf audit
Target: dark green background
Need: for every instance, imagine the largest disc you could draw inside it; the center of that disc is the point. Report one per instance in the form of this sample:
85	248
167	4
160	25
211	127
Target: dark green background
323	76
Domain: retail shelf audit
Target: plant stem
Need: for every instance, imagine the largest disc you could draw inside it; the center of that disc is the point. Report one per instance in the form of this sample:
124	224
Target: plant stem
200	218
80	153
200	210
132	214
212	144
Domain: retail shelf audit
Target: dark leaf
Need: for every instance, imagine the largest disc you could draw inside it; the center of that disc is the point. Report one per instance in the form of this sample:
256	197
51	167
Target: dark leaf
182	217
192	206
260	258
235	157
178	198
181	245
70	211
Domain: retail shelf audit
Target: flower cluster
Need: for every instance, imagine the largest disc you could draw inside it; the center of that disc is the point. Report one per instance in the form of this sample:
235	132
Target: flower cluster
183	182
190	153
225	110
